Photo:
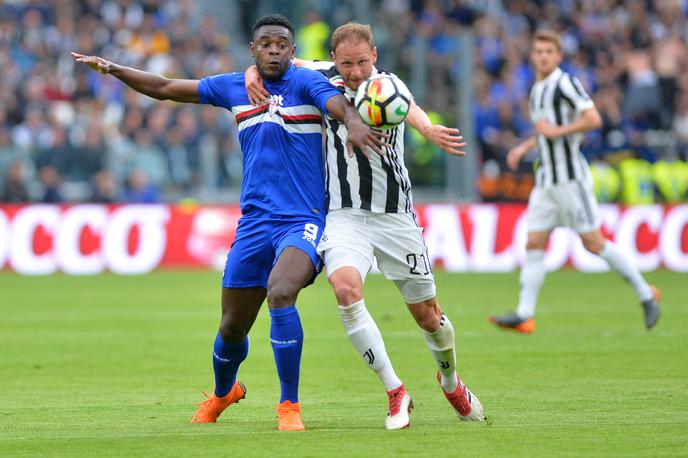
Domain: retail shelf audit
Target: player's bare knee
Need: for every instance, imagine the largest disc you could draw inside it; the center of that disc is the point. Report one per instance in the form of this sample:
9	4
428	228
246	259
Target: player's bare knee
593	246
281	294
347	292
535	244
231	331
427	314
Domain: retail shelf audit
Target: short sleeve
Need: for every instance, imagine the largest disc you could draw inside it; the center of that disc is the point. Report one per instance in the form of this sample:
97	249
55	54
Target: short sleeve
575	93
216	89
318	88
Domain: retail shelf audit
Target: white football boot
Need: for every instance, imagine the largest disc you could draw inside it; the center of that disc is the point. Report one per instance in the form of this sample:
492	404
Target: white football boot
400	406
466	404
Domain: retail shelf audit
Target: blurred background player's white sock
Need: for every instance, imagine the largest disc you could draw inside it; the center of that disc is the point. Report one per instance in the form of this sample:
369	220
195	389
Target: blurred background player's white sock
441	344
366	337
622	264
532	277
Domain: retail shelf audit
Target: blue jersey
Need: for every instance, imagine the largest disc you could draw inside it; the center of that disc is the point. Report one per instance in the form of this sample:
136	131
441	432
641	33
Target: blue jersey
281	141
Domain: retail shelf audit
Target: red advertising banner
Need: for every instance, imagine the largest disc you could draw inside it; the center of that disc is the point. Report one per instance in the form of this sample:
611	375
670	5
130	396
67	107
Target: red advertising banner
134	239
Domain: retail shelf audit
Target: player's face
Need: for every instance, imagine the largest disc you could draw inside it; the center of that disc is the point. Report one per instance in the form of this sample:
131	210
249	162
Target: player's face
545	57
272	48
354	60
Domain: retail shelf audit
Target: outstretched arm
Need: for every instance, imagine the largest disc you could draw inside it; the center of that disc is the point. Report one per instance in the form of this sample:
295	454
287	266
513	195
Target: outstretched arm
150	84
359	135
446	138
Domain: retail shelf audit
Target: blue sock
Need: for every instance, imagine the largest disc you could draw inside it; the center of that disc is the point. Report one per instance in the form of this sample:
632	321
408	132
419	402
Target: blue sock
286	336
226	360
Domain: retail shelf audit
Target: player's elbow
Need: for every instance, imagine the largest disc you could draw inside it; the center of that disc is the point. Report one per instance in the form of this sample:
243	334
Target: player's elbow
594	119
161	93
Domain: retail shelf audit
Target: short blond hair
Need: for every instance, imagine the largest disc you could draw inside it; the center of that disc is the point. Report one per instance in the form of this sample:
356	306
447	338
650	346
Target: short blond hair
549	36
355	31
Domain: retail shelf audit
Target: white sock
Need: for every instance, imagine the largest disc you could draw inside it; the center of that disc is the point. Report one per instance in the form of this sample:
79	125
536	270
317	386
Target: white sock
532	277
621	263
366	337
441	345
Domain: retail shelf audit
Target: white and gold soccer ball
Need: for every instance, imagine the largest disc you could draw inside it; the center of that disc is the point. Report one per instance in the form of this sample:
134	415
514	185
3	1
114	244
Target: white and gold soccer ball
383	101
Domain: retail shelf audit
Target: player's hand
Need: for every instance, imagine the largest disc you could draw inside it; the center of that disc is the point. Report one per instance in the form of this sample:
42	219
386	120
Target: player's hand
542	127
446	138
95	62
257	94
361	137
514	156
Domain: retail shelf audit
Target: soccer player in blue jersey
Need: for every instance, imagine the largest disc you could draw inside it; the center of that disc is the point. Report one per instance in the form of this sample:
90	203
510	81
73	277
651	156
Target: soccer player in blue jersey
282	201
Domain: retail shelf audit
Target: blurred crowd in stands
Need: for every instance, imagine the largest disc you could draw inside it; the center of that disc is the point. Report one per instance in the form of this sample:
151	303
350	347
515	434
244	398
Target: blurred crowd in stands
71	134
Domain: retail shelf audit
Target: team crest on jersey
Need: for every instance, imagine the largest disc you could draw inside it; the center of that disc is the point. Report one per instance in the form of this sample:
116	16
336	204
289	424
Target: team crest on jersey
275	102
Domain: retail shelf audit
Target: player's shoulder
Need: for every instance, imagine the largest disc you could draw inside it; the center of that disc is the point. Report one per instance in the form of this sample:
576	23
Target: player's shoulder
567	77
225	78
308	70
323	69
326	71
382	71
321	66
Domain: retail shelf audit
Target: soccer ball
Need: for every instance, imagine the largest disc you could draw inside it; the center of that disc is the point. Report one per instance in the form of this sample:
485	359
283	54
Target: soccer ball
383	101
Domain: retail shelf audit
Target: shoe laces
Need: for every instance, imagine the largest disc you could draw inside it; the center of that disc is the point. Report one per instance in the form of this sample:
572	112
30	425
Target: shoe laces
395	398
286	407
459	399
208	399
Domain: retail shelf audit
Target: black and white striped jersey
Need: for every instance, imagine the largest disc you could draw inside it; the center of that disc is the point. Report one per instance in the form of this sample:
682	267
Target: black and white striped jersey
559	99
379	184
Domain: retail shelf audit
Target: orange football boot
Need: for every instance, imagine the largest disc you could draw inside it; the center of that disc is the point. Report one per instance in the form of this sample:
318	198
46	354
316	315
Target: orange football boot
212	407
289	416
514	322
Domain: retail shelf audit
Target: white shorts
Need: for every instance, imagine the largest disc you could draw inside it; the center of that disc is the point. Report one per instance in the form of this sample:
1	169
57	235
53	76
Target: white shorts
570	204
356	239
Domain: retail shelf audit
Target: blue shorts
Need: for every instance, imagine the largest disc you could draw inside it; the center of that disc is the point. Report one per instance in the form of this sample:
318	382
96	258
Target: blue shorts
260	241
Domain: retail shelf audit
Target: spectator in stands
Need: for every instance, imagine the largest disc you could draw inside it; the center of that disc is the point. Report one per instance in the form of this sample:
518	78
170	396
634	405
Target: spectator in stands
140	190
59	154
8	154
15	190
50	180
104	188
631	56
313	38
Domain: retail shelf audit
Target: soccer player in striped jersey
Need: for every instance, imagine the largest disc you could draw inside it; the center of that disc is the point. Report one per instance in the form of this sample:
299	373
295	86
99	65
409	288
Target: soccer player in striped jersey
282	202
370	215
563	195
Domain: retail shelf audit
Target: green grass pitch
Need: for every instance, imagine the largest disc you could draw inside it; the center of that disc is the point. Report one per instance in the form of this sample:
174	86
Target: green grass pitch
108	365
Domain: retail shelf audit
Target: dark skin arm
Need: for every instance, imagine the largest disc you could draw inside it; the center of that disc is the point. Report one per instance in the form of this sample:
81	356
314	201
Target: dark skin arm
359	134
150	84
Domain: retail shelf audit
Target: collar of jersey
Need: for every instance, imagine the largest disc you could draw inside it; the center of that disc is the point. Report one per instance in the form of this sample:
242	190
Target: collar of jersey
552	76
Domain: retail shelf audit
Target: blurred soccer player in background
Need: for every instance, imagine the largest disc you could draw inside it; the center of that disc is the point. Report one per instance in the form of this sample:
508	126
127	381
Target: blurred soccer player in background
282	202
370	215
563	195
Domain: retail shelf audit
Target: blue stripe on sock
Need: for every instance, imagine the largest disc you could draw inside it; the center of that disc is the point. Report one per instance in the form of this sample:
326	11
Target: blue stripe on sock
286	337
226	360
